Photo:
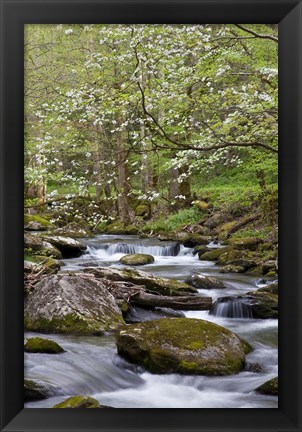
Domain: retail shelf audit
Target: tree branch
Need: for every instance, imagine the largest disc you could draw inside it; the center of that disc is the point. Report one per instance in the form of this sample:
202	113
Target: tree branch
257	35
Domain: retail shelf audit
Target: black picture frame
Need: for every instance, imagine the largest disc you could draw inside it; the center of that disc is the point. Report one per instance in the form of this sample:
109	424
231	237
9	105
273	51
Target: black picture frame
16	13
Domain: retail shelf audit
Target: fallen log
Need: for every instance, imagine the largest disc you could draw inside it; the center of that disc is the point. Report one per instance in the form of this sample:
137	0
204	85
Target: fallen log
242	223
191	302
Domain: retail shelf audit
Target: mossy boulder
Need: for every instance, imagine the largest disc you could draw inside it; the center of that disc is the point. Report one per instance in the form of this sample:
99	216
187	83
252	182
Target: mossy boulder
143	210
35	244
232	269
215	220
268	266
161	285
41	345
191	240
182	345
71	303
214	254
69	247
201	281
36	223
34	390
117	227
223	230
237	258
37	262
79	402
200	250
137	259
249	243
269	387
264	301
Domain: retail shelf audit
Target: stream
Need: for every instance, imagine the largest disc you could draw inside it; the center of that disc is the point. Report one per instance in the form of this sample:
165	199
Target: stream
91	365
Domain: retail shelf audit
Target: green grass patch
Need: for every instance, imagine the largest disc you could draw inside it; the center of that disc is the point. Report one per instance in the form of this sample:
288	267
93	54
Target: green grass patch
174	221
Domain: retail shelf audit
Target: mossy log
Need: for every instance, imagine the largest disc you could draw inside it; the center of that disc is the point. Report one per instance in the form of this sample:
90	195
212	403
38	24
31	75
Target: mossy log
191	302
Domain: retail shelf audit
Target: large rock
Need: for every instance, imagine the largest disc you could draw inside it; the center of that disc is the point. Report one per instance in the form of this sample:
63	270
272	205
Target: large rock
35	263
236	257
41	345
77	304
79	402
200	250
192	240
69	247
183	345
269	387
117	227
249	243
34	243
153	283
214	254
34	390
262	303
36	223
137	259
201	281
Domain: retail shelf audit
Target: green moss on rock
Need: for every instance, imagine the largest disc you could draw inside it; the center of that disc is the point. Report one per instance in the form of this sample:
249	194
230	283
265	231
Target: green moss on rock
137	259
142	210
193	240
236	257
34	390
269	387
38	246
73	304
36	223
214	254
232	269
47	262
78	402
201	249
161	285
182	345
249	243
117	227
41	345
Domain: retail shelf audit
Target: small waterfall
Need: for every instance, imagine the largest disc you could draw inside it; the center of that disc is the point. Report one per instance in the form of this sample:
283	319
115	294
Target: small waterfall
231	308
128	248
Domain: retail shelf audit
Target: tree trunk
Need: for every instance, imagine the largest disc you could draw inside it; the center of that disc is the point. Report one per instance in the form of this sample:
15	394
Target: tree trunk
185	186
123	188
192	302
97	171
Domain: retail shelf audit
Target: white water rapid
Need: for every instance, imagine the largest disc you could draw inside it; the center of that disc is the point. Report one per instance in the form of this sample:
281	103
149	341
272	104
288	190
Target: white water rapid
91	365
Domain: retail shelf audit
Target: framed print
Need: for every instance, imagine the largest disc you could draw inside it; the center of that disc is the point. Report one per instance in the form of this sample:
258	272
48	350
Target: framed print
150	159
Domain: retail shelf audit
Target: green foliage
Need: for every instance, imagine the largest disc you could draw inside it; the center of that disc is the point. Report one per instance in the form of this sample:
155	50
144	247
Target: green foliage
93	130
174	221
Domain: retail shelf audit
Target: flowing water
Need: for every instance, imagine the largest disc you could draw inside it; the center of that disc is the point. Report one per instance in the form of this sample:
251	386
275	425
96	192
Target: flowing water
91	365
